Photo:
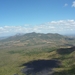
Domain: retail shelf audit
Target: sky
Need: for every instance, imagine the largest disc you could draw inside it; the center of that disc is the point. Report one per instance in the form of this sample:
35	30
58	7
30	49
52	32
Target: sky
41	16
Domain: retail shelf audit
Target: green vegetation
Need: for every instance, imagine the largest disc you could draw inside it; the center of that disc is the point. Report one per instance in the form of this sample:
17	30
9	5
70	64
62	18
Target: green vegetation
11	59
13	54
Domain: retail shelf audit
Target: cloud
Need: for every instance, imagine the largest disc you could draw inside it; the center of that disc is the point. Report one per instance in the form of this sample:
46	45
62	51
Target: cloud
61	26
65	5
73	4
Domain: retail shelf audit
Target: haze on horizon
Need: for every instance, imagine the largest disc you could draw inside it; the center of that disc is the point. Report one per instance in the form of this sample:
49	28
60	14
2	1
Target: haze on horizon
41	16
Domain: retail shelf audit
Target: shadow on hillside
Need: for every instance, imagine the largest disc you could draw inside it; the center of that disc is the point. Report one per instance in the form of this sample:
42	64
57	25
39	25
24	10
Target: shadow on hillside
40	67
66	50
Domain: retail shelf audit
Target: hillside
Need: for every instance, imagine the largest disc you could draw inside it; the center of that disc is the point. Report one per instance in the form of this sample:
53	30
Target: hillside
38	39
37	54
37	61
58	62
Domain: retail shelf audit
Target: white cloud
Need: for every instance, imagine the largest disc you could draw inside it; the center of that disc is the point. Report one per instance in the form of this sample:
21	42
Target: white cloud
65	5
73	4
61	26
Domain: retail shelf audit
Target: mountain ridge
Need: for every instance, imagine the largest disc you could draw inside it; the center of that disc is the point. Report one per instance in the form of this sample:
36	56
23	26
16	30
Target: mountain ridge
32	39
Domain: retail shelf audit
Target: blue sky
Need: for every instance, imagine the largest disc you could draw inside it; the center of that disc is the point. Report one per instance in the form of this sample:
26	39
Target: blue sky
45	16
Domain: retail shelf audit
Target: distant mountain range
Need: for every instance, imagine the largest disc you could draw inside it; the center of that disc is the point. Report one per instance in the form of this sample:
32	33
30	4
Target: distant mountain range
32	39
1	38
71	35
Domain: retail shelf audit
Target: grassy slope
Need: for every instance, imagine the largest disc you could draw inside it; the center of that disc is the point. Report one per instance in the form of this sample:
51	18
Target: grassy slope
10	60
18	50
67	58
